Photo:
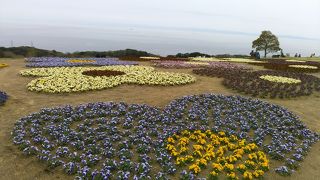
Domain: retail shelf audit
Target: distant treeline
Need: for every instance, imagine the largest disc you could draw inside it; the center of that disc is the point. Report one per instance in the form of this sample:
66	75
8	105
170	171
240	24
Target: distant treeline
26	51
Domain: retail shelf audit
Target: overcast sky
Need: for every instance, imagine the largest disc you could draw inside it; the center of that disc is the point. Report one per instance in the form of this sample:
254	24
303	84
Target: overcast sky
160	26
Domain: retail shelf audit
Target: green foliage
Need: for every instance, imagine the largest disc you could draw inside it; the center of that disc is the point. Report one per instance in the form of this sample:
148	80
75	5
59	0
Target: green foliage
25	51
266	42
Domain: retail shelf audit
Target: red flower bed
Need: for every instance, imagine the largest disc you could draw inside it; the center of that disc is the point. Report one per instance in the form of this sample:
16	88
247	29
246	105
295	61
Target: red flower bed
96	73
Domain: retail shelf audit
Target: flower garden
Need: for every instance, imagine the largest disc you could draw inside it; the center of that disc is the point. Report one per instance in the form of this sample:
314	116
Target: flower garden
264	83
73	62
127	134
190	135
75	79
291	65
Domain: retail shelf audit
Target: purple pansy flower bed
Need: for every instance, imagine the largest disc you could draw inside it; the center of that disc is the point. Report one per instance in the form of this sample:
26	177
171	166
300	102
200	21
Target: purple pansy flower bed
127	141
69	62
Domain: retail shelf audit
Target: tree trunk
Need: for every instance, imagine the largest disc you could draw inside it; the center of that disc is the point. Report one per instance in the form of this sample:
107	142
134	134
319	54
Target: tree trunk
265	53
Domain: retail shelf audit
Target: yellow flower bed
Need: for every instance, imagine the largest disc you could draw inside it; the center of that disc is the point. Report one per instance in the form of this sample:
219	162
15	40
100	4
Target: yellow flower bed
293	60
71	79
3	65
198	63
150	58
303	66
205	59
236	60
80	61
280	79
222	154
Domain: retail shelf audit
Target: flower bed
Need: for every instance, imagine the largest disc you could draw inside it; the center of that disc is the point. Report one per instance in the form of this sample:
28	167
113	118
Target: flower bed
123	141
250	82
72	79
150	58
74	62
291	66
280	79
2	65
303	66
107	73
138	59
217	152
235	60
179	64
195	64
3	97
221	69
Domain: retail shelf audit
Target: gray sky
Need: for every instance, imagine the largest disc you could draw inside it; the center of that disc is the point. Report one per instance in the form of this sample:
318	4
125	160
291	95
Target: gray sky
160	26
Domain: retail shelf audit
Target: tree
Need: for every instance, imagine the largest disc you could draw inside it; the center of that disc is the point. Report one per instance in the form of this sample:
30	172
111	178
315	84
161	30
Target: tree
266	42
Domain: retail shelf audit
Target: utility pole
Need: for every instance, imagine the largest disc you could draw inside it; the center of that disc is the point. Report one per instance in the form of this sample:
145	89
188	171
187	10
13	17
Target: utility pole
11	43
31	44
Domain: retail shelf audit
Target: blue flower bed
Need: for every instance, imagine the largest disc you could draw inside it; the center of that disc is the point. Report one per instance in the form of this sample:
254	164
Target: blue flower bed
65	62
3	97
127	141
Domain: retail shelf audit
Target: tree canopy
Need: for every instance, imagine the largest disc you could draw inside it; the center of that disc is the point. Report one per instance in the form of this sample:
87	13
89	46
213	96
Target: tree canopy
266	42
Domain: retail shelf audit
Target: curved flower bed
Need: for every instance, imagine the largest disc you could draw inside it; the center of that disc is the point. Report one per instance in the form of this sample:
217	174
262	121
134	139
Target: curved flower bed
251	83
123	141
270	85
221	69
3	97
81	61
72	79
74	62
2	65
235	60
280	79
149	58
194	64
108	73
179	64
303	66
291	66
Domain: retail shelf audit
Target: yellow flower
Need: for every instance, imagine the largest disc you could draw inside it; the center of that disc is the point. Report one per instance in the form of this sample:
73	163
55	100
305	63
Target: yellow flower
241	167
228	167
232	175
217	167
183	150
197	147
197	153
213	173
221	133
253	156
185	133
242	142
247	175
195	168
258	173
222	157
202	162
170	140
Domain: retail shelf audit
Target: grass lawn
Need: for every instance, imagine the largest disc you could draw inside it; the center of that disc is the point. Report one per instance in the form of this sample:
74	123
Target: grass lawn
15	165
